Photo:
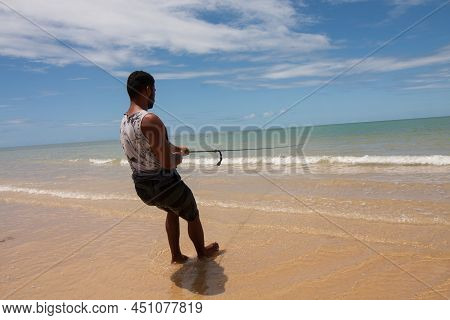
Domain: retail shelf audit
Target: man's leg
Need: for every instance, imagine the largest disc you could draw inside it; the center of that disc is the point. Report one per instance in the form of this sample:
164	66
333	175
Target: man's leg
195	231
173	234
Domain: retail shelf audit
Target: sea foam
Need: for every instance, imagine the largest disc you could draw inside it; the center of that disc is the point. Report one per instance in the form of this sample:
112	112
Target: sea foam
399	160
65	194
434	160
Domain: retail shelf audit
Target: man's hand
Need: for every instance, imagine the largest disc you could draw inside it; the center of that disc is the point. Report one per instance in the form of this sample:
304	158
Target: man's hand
184	151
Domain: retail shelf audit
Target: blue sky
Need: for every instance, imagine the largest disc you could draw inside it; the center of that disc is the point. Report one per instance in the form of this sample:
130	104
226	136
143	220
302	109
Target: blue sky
226	63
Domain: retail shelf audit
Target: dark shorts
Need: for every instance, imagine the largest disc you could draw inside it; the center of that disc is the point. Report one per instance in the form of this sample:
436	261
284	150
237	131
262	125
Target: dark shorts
167	192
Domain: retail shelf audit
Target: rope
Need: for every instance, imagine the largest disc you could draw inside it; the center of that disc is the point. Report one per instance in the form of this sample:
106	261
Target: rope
238	150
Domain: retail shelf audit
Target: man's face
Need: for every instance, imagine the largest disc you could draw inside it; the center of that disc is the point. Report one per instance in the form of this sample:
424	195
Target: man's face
151	96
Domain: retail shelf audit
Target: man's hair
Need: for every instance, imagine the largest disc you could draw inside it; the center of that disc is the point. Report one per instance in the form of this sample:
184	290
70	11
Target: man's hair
137	81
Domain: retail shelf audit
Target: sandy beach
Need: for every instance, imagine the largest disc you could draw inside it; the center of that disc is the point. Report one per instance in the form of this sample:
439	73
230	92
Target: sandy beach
60	247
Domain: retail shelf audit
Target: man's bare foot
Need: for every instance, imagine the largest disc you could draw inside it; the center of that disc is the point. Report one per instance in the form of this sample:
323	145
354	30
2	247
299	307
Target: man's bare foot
179	259
210	251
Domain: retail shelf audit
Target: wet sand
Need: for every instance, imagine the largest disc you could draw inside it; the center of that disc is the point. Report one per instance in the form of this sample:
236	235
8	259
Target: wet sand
365	239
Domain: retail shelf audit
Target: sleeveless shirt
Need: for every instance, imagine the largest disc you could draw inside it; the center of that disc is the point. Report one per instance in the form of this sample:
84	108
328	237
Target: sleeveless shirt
135	144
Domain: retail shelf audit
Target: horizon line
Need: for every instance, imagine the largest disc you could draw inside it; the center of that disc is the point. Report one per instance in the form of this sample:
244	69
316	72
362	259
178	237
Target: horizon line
278	127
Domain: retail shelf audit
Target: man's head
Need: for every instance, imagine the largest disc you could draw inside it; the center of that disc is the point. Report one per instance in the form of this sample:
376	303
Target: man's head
141	88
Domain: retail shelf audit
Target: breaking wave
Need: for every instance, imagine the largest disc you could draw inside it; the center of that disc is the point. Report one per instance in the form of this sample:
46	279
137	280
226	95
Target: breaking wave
102	162
434	160
400	160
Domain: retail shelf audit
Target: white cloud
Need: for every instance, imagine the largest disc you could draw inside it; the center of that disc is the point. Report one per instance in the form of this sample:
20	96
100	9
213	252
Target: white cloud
441	73
250	116
335	2
292	84
307	69
429	86
390	2
317	72
400	6
14	122
185	75
123	33
121	73
408	2
395	64
439	79
230	83
36	69
327	68
173	75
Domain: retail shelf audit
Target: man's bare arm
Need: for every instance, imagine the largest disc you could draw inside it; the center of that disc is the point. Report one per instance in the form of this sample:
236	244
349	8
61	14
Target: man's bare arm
155	131
176	149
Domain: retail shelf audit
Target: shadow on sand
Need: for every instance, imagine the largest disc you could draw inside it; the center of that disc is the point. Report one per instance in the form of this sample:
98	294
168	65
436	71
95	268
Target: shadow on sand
205	277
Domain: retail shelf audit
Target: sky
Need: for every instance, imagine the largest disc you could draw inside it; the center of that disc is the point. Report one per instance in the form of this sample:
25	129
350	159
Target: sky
64	64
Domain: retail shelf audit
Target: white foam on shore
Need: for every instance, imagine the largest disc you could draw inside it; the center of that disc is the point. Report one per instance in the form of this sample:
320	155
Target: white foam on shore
435	160
65	194
101	161
401	219
401	160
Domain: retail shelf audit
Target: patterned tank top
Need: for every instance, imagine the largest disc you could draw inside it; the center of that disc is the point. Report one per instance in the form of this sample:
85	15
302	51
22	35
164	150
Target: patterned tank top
136	147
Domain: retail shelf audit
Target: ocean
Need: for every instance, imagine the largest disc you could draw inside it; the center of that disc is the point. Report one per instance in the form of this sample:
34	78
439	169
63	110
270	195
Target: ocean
400	143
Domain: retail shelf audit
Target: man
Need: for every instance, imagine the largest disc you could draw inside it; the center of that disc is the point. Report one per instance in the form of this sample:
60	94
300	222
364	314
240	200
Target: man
153	160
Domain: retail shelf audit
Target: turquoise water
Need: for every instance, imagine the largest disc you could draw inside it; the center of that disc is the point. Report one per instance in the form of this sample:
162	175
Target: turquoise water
404	137
418	142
